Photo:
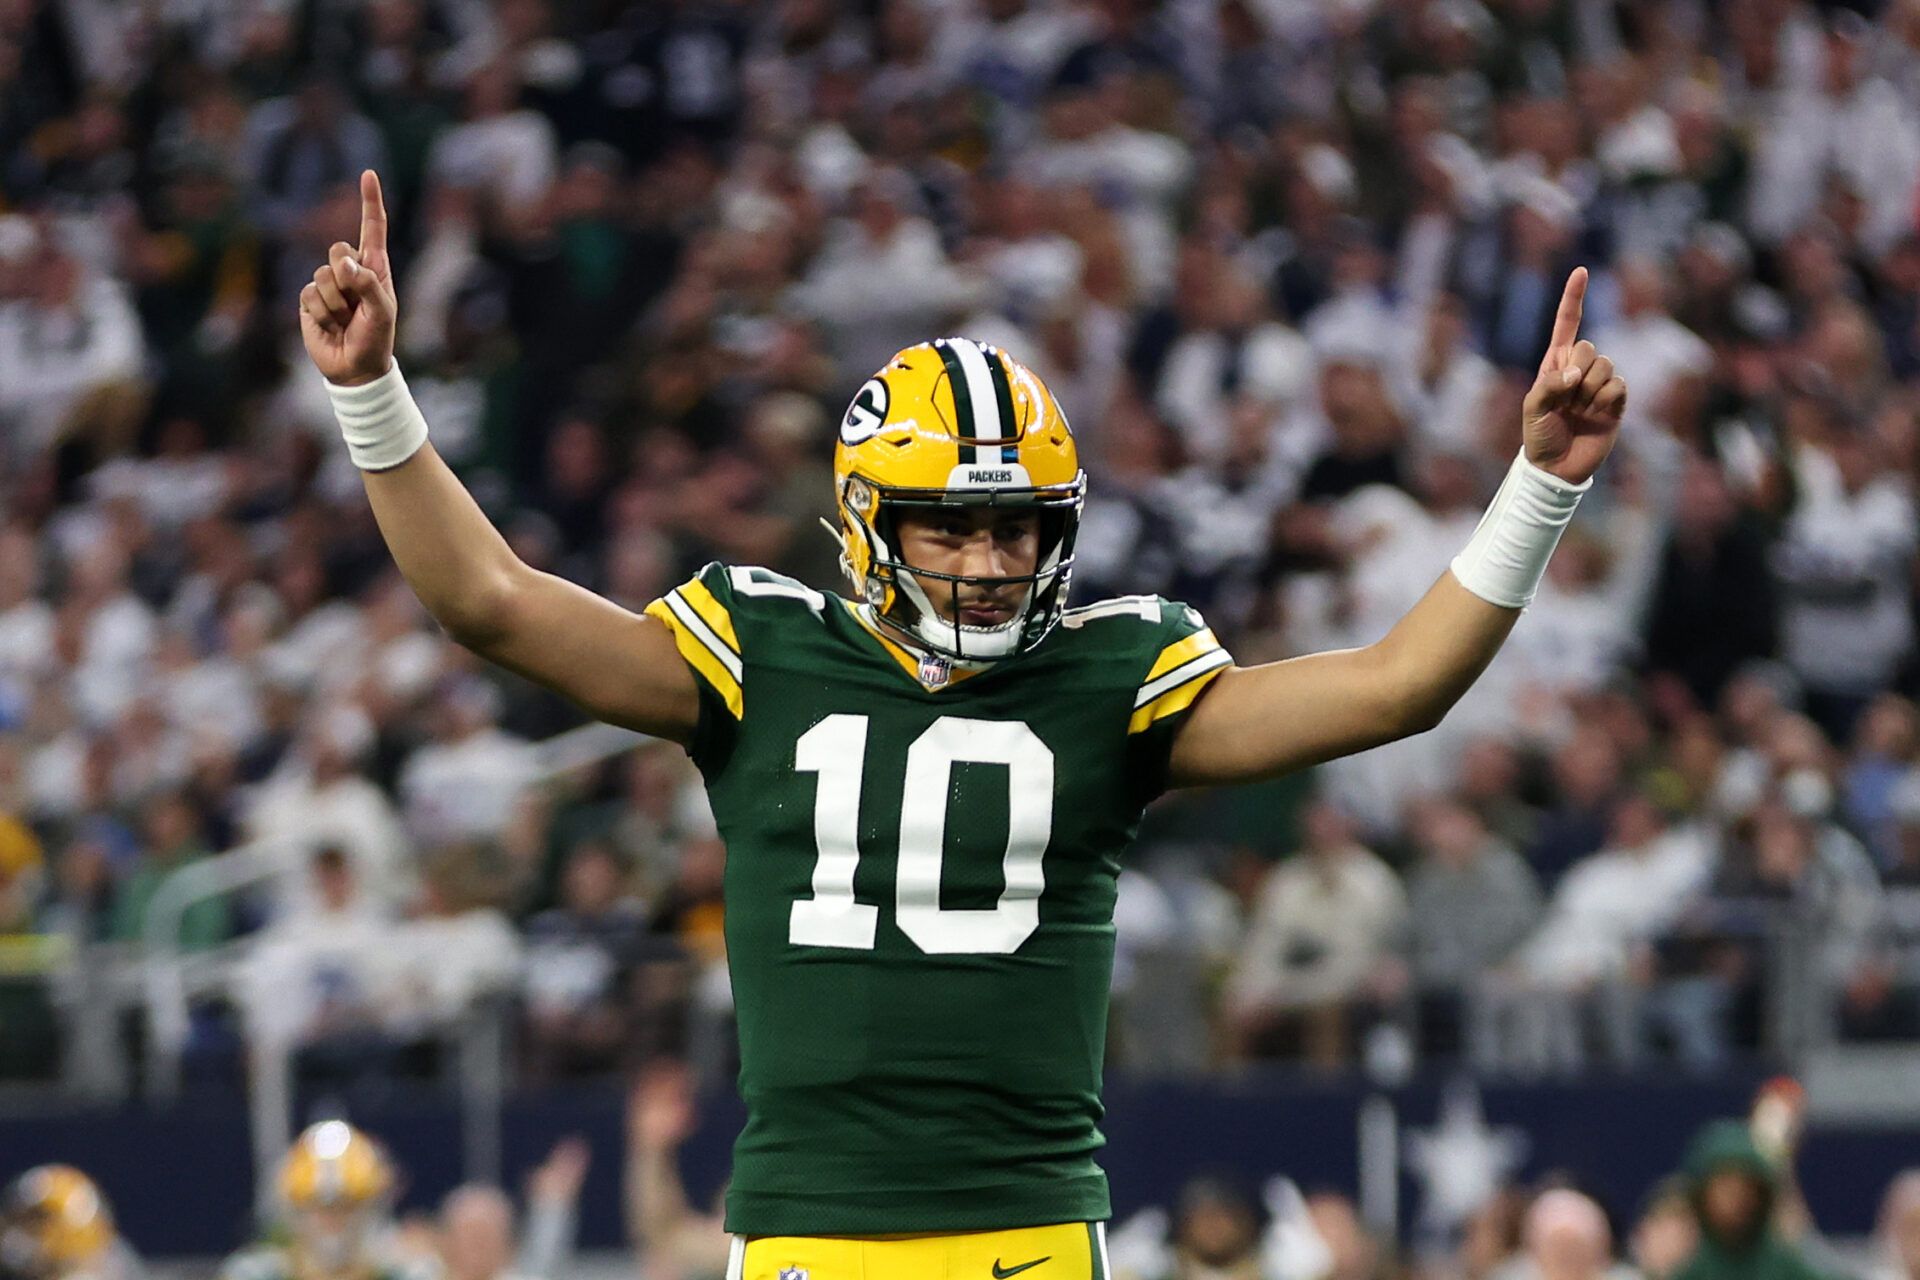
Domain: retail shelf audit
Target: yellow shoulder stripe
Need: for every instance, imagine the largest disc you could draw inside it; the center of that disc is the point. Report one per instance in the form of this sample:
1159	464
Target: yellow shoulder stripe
711	611
701	645
1182	650
1176	690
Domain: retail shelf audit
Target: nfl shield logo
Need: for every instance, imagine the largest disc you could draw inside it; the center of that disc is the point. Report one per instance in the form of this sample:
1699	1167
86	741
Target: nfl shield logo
934	673
793	1273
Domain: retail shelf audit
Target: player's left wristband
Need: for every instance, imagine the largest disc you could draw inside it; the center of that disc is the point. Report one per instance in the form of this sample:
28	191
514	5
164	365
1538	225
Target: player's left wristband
1507	556
382	425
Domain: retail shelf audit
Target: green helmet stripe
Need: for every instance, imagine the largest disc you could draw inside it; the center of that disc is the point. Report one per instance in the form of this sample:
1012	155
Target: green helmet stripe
1003	401
962	400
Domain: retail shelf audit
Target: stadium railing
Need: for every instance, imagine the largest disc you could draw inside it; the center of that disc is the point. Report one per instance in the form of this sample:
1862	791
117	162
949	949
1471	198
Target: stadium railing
170	980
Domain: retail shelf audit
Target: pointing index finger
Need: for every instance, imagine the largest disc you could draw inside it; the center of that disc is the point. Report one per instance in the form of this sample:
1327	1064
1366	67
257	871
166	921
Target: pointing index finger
373	216
1566	322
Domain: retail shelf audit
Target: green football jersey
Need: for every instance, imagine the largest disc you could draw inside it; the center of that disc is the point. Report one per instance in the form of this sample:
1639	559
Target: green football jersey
920	882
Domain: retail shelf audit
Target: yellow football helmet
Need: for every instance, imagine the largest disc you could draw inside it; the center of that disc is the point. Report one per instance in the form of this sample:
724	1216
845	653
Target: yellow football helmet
334	1165
956	422
53	1222
335	1186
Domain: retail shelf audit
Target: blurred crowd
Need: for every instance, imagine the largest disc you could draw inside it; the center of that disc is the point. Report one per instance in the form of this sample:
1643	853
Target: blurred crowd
1731	1210
1288	264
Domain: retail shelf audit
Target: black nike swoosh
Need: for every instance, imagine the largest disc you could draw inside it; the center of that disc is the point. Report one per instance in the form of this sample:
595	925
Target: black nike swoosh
999	1274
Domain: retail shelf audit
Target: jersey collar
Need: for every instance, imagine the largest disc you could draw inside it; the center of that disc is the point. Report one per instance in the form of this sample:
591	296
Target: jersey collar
929	670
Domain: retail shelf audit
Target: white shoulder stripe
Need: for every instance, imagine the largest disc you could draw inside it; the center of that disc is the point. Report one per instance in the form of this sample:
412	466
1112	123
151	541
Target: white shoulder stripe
1145	608
741	578
1186	671
697	625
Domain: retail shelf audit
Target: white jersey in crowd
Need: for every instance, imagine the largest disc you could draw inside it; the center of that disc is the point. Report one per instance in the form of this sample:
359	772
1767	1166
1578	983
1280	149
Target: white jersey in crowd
1843	570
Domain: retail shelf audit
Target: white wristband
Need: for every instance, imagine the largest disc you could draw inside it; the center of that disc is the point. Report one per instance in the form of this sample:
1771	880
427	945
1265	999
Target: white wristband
1508	553
382	424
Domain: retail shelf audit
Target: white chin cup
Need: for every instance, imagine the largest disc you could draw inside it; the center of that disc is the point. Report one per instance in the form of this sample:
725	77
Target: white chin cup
984	644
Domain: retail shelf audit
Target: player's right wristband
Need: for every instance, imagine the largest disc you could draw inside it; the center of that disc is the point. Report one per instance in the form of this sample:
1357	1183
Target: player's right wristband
1507	556
382	424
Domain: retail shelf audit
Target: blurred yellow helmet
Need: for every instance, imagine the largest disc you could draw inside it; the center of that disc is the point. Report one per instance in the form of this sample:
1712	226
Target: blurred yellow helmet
956	422
334	1165
53	1221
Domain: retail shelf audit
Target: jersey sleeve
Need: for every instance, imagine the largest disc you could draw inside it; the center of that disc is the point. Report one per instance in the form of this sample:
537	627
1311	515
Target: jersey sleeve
700	614
1187	658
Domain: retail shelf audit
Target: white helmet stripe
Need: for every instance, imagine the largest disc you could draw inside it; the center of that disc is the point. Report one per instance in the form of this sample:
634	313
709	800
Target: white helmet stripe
986	405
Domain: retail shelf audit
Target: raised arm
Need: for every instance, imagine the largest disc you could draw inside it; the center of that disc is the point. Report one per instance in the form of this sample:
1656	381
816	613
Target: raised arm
1255	722
621	666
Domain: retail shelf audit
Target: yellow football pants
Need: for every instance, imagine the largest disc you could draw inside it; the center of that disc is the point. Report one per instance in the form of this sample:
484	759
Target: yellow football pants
1066	1251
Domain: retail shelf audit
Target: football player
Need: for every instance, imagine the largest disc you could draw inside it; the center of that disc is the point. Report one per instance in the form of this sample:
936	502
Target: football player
925	789
335	1190
55	1225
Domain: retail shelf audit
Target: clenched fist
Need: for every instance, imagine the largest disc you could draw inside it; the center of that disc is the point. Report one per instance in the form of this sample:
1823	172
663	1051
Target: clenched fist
1572	413
347	314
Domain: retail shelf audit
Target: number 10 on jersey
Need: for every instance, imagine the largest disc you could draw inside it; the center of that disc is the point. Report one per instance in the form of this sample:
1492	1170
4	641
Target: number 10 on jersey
836	749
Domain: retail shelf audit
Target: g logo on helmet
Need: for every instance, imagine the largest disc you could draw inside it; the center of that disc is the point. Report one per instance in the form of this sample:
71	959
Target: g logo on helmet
867	414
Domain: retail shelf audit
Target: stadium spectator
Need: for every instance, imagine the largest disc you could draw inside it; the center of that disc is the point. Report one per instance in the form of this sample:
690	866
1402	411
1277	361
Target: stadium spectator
318	796
1791	867
172	839
504	151
1360	436
885	235
1666	1233
1880	756
457	948
476	1235
1355	1253
1897	1233
1843	565
663	1223
327	981
1734	1190
1514	301
22	872
26	622
71	350
1491	1237
1588	953
1230	353
1318	946
299	148
581	960
1471	900
1712	609
78	905
1443	383
1216	1232
463	786
1567	1238
1586	784
1659	349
